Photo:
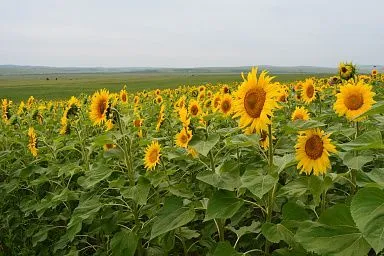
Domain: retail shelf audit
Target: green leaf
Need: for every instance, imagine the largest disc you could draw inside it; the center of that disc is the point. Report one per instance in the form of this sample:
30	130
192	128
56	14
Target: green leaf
277	232
225	249
283	162
293	211
334	234
222	205
294	188
187	233
355	162
41	235
257	182
94	176
368	140
85	210
204	146
367	209
124	243
139	192
171	216
227	176
288	252
253	228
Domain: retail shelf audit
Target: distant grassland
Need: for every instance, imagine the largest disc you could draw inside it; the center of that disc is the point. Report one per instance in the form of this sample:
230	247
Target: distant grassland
21	87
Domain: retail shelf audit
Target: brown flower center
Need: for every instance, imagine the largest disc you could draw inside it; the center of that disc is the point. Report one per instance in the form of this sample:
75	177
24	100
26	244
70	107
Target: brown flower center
124	97
194	110
254	102
310	91
298	116
183	138
102	107
354	101
153	156
314	147
225	106
344	70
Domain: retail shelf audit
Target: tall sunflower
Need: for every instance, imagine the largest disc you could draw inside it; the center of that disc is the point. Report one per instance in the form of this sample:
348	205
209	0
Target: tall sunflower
99	106
152	155
183	137
300	113
5	106
312	151
194	108
160	117
226	104
124	96
255	101
32	145
216	102
347	70
308	91
354	99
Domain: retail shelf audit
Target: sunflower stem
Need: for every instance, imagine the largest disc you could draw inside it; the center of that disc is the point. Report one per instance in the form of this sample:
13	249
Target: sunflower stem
323	196
271	195
354	172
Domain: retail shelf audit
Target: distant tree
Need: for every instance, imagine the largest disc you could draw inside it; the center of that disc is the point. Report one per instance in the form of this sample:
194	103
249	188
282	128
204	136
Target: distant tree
56	78
47	78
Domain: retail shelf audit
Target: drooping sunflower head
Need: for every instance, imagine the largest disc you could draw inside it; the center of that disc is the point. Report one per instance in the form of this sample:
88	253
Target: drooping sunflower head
226	104
354	99
194	108
152	155
124	96
99	107
347	70
32	145
255	101
73	106
160	117
312	151
180	103
183	116
109	125
308	91
183	137
300	113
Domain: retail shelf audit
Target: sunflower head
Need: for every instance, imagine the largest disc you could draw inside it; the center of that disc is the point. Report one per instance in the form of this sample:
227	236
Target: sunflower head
73	107
152	155
255	101
226	104
374	72
308	91
124	96
99	107
334	80
194	108
108	147
354	99
32	145
312	151
225	89
347	70
183	137
136	100
160	117
159	99
300	113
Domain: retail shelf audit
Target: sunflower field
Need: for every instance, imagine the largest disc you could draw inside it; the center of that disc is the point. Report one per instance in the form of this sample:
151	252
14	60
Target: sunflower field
251	168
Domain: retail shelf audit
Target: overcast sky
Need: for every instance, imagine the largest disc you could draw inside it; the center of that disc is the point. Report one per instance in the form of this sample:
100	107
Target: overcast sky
178	33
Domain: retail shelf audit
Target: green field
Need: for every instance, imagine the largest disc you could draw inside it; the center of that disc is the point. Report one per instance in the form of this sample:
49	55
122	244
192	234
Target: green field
19	87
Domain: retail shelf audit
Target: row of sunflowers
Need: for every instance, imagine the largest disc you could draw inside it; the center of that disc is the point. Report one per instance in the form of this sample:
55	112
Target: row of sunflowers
251	168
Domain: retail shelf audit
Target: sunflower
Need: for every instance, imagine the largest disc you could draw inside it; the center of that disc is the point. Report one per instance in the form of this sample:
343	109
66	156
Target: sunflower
192	152
152	155
354	99
207	104
159	99
297	86
264	139
374	72
183	137
99	106
346	70
22	108
300	113
73	106
226	104
157	92
30	101
194	108
202	88
312	151
255	101
136	100
124	96
308	92
334	80
5	106
160	117
32	145
179	103
65	125
225	89
216	102
183	116
201	96
209	94
108	146
138	122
